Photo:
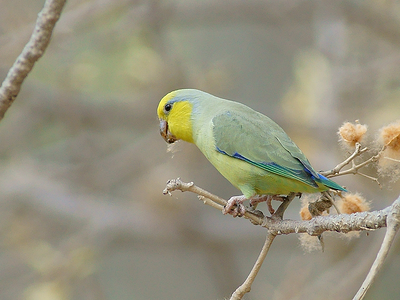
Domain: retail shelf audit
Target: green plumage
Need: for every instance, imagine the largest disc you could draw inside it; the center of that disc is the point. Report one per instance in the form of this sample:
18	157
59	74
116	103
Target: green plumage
249	149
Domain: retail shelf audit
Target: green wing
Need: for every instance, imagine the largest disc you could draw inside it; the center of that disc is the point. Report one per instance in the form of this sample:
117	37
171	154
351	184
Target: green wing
256	139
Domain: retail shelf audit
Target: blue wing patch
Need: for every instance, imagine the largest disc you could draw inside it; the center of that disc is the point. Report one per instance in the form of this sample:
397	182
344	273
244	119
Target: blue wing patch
277	169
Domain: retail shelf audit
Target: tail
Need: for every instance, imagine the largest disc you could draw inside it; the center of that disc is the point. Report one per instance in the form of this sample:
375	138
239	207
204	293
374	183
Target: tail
330	184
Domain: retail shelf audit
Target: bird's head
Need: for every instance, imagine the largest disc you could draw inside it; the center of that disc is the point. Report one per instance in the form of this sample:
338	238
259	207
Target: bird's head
175	114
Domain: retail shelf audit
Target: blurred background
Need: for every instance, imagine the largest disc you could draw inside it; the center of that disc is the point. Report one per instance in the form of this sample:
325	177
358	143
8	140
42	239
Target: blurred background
82	215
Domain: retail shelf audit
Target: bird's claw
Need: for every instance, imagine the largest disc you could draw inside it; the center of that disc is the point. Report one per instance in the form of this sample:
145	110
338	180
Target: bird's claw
235	206
267	198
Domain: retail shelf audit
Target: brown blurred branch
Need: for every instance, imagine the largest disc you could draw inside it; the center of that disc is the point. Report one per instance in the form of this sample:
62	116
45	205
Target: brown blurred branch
32	51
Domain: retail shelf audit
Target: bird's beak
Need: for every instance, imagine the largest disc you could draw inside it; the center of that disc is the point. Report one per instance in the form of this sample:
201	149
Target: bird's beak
165	133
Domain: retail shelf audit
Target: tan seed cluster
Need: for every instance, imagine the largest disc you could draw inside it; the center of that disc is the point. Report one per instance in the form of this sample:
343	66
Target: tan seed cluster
350	134
352	203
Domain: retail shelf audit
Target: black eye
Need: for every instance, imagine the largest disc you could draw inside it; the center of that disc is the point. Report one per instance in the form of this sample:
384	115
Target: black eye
168	107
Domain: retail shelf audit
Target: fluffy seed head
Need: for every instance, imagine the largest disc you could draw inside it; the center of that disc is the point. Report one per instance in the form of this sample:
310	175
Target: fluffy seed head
305	213
352	203
390	136
350	134
389	162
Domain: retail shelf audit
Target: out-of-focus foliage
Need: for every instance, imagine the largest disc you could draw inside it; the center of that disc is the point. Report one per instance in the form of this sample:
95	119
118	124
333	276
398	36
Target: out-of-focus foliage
83	166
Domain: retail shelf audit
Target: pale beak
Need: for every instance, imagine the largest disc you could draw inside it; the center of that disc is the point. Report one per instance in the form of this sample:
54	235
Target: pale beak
168	136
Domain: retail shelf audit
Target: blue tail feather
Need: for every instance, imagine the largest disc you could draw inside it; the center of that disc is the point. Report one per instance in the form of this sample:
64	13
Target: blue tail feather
329	183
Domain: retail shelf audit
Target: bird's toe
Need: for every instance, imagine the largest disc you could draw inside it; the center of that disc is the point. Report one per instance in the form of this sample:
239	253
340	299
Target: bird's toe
235	206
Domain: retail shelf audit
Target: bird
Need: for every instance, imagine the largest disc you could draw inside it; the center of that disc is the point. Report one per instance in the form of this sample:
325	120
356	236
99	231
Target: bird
248	148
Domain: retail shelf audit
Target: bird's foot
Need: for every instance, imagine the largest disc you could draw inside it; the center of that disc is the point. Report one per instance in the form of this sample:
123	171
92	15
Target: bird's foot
266	198
235	206
258	199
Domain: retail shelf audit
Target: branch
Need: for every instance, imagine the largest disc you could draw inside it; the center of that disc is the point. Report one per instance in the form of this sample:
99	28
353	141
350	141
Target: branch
393	223
339	223
336	170
206	197
246	286
344	223
32	51
354	169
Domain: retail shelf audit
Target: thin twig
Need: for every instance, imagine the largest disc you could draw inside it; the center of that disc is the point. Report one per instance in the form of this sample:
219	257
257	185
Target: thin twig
393	224
246	285
336	170
392	159
354	169
32	51
278	215
371	178
178	184
210	202
329	197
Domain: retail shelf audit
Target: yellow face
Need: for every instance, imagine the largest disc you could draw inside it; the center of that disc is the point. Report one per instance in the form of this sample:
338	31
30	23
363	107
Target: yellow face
175	118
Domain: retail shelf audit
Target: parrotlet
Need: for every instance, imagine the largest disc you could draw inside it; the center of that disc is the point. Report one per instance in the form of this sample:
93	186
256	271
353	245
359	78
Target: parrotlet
246	147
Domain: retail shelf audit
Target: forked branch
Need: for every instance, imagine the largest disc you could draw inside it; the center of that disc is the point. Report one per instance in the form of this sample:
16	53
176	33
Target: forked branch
354	169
